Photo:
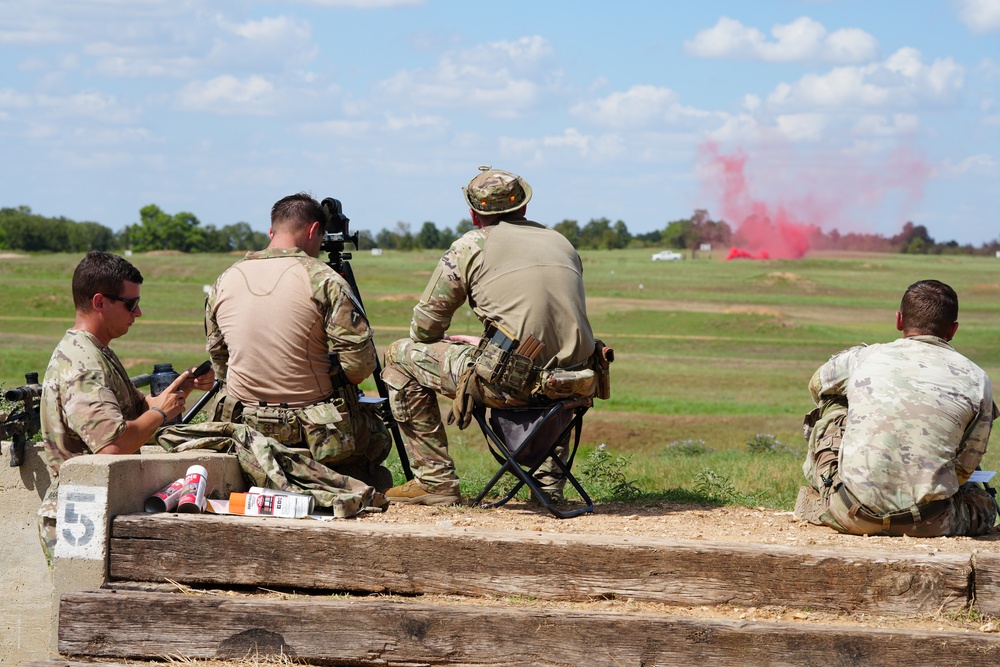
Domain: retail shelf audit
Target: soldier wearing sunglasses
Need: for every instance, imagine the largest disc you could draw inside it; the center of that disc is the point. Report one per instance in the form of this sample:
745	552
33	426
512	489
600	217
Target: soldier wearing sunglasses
88	404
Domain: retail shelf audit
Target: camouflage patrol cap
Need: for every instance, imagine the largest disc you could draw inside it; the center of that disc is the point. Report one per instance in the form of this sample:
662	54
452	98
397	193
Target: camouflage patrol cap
495	191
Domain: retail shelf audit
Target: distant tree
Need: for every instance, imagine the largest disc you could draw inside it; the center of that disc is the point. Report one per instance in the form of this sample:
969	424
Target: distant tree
571	230
241	236
429	236
464	225
385	240
83	236
913	239
366	241
404	238
648	239
679	234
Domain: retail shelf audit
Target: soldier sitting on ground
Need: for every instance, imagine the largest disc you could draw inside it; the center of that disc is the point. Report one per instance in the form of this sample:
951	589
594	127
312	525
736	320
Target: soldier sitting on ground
898	430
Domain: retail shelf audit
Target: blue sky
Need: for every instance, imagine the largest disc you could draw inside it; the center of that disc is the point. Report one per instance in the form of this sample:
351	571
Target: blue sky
848	114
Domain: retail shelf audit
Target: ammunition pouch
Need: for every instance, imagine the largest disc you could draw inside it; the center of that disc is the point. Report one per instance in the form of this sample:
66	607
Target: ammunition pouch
503	362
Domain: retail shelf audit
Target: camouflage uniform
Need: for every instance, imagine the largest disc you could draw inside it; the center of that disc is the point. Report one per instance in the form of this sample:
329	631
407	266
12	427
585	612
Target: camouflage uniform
898	430
516	273
86	399
271	320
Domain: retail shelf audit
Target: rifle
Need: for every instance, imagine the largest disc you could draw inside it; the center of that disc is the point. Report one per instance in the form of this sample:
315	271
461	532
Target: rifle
337	225
21	425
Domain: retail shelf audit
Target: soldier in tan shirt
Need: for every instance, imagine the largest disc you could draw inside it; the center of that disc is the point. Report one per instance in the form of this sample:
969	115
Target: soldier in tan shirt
518	275
273	320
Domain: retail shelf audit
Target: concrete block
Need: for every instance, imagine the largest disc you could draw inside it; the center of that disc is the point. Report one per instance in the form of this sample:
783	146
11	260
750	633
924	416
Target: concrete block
93	490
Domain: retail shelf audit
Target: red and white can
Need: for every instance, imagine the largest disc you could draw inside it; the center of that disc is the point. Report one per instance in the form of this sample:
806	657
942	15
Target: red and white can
165	500
192	498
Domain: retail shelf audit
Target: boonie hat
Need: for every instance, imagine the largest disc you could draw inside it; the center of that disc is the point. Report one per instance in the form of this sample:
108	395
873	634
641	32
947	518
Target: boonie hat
496	191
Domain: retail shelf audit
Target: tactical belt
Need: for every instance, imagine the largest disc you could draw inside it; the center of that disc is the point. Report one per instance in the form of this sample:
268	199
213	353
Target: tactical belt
926	512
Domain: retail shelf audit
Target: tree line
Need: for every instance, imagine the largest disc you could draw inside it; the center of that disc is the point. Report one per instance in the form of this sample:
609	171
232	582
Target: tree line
21	229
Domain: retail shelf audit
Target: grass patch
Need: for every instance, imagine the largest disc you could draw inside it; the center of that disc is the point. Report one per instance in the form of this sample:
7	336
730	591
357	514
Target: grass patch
710	354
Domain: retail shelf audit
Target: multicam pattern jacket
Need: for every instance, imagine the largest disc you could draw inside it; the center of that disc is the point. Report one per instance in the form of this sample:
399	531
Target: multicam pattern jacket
520	275
86	399
919	418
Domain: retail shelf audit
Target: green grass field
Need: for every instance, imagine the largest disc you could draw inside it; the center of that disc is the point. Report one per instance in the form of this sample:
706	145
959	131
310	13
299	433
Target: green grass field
709	353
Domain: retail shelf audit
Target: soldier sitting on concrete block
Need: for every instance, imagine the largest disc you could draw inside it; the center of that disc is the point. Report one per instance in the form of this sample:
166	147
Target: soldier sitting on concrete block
898	430
88	403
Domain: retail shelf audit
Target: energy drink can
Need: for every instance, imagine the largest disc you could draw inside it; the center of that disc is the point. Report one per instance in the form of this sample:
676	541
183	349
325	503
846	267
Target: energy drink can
165	500
192	498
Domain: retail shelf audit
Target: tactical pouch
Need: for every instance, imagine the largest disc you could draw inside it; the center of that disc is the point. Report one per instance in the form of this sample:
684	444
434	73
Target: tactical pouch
520	373
329	437
494	353
274	422
559	384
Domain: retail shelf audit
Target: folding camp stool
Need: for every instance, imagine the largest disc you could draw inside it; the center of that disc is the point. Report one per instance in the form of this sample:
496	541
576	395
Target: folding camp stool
522	439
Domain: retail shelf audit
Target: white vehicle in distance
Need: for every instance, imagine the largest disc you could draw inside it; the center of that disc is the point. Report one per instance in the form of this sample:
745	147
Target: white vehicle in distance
667	256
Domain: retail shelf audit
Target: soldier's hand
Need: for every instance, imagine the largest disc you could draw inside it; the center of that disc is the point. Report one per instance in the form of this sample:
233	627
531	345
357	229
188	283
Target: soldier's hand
462	338
171	400
201	382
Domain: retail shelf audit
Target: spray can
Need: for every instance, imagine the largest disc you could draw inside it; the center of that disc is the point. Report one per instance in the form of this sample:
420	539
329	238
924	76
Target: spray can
192	498
165	500
269	502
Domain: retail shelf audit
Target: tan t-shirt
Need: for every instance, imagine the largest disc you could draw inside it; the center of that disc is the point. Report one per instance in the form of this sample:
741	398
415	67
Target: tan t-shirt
271	319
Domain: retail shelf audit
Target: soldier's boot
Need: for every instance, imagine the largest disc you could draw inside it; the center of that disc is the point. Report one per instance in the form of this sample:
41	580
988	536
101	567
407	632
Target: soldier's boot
413	493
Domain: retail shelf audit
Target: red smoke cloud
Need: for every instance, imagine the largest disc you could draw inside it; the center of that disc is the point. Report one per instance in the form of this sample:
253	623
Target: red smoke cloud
782	226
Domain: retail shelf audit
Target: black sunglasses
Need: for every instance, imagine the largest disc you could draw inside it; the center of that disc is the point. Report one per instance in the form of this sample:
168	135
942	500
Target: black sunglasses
130	304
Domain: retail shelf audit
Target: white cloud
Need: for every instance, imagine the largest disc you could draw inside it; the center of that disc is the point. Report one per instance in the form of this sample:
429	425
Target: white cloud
606	147
638	107
415	123
228	95
886	126
801	127
974	165
265	44
14	99
350	129
498	78
801	40
980	16
902	80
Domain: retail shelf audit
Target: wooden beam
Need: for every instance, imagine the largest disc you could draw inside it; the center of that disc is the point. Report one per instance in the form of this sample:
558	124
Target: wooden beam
109	624
412	559
987	577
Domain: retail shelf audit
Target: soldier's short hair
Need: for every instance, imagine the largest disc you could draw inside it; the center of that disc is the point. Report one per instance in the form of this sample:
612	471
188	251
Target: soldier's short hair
929	307
99	272
296	212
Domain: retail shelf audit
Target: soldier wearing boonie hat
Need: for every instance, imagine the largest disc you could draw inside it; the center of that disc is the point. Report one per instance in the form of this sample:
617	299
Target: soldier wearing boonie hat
494	192
516	275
